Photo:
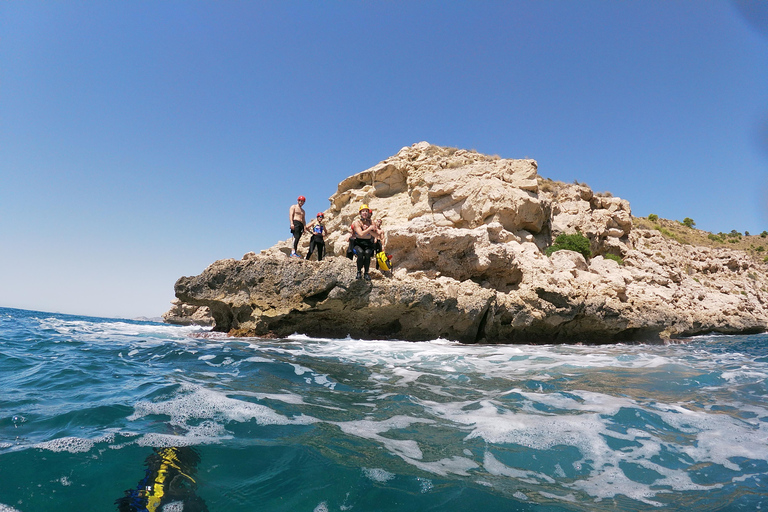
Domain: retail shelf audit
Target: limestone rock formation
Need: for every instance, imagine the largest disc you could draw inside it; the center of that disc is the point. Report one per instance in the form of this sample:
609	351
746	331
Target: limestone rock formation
467	233
187	314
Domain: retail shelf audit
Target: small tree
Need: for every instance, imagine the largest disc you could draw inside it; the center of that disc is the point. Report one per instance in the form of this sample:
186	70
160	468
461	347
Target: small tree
764	234
653	217
688	222
575	242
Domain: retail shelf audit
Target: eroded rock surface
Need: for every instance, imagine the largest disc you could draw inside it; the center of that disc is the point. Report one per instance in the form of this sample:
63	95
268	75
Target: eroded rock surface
467	233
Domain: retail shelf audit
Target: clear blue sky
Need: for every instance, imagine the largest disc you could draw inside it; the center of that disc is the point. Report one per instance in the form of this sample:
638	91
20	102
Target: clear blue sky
142	140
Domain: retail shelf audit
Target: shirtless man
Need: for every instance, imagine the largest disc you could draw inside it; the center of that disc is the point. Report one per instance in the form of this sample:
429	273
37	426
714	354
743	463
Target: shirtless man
296	215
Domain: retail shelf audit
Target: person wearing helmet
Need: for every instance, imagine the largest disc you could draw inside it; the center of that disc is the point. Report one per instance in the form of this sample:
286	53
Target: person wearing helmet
365	233
318	231
297	218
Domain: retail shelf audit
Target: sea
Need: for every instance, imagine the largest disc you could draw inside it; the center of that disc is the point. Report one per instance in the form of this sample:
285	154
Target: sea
109	414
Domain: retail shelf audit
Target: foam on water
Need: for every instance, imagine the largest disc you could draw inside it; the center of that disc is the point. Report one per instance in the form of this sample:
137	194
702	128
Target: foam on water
378	474
194	402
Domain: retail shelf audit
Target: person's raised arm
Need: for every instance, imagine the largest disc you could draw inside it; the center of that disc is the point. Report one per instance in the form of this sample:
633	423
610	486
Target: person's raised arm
360	231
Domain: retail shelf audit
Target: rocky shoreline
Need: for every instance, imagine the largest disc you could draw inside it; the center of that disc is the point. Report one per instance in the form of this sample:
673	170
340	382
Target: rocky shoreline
468	234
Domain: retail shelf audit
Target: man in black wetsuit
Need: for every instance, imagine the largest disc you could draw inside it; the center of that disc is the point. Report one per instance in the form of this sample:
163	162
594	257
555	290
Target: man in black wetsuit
365	232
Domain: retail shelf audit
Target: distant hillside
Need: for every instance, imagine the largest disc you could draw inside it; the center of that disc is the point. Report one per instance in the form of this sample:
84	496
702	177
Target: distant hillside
754	245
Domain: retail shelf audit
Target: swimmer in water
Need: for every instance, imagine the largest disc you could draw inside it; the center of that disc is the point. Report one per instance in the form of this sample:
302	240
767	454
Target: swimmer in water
169	479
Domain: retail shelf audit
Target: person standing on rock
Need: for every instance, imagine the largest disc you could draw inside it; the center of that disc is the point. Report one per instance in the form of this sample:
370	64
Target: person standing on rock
365	233
318	231
297	217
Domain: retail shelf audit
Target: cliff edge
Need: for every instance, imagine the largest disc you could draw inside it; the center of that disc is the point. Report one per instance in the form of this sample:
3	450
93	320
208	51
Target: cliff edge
467	233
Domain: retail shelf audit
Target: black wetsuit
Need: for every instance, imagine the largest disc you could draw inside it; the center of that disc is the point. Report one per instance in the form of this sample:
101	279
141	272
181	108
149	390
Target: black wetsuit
317	241
364	249
298	230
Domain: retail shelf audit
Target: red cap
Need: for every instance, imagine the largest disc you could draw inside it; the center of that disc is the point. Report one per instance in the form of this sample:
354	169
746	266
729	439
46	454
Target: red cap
302	198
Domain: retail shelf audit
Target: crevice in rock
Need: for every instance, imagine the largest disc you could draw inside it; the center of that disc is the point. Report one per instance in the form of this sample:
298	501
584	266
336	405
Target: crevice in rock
315	299
480	334
553	298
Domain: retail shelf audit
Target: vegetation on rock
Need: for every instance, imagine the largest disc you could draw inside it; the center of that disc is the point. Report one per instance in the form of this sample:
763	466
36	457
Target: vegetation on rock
575	242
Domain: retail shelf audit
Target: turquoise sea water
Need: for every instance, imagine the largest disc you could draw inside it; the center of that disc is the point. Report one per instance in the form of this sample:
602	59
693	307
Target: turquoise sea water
88	405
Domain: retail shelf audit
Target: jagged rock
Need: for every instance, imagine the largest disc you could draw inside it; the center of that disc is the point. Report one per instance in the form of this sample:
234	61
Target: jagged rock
467	233
187	314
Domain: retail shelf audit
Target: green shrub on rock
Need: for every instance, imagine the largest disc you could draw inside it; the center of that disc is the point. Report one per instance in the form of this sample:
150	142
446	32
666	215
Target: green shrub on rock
617	259
575	242
653	217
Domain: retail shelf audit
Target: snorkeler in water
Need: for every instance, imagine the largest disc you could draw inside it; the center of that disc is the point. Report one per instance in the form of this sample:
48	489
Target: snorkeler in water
168	481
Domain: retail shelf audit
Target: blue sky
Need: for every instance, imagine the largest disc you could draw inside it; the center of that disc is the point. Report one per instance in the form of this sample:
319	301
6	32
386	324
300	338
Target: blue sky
140	141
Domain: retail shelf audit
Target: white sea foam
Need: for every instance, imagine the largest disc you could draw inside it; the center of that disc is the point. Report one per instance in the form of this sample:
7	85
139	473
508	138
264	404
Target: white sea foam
257	359
369	429
7	508
196	402
496	468
85	328
316	378
450	465
66	444
425	484
170	440
378	474
718	437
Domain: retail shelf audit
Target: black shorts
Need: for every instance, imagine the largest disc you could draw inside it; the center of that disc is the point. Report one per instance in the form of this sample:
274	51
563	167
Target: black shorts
365	245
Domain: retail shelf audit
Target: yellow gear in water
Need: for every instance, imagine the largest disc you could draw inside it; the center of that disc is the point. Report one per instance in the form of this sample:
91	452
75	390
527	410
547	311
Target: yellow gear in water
170	460
363	207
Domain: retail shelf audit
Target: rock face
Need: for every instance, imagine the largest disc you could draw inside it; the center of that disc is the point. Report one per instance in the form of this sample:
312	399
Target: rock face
187	314
467	233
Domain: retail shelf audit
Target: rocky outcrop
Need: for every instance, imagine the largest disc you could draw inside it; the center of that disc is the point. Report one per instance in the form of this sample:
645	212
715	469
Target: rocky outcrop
187	314
467	233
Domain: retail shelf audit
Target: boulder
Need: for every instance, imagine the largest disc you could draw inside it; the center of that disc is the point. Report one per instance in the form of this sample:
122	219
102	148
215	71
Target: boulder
188	314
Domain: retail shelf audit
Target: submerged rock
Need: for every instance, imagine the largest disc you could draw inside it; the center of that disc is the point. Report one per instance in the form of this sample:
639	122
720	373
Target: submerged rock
467	233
